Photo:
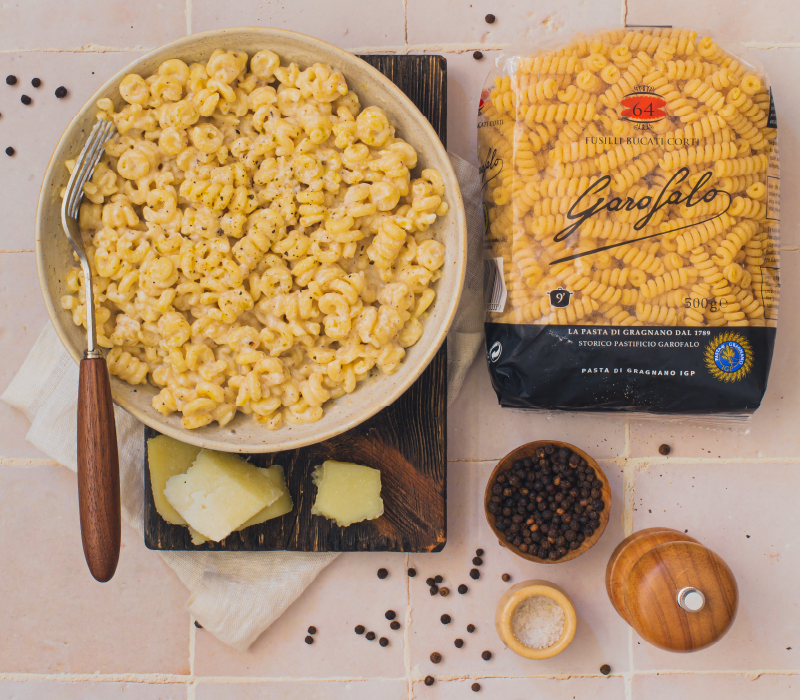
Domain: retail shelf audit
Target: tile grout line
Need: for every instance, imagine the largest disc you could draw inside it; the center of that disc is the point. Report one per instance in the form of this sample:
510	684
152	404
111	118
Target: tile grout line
176	679
766	45
624	13
188	14
662	461
192	646
782	249
405	24
628	484
88	48
26	462
451	47
407	632
628	504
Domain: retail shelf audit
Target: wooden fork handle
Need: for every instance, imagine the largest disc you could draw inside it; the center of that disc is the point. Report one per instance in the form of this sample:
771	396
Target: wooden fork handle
98	470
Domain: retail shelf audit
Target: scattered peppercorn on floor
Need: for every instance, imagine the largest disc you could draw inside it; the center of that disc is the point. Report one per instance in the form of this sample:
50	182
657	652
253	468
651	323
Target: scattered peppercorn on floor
65	636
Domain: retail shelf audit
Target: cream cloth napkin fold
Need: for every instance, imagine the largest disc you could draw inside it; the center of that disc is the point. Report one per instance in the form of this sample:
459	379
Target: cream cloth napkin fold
234	595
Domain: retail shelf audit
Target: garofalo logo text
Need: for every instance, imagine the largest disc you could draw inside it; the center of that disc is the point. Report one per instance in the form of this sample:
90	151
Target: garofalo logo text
580	213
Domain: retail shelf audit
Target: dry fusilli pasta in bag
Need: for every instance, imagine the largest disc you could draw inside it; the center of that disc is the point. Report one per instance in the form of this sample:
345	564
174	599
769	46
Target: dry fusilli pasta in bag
631	192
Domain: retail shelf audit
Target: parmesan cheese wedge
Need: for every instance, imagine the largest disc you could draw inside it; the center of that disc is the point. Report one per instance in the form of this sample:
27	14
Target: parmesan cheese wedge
197	538
347	493
220	492
168	457
277	508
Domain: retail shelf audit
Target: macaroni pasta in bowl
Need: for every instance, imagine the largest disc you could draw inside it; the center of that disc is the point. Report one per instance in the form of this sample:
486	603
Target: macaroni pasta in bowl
257	241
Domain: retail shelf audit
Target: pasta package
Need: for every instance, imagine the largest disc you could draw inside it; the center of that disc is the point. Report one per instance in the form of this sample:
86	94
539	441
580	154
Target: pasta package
631	196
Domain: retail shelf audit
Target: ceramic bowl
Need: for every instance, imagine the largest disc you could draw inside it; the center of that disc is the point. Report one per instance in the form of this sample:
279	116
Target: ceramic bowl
518	594
528	451
54	255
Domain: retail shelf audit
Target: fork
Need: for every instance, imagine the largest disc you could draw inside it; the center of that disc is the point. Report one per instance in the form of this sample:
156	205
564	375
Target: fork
98	461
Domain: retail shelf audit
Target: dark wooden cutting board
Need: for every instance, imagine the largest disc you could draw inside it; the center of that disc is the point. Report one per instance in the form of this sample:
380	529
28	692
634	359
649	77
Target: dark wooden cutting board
407	441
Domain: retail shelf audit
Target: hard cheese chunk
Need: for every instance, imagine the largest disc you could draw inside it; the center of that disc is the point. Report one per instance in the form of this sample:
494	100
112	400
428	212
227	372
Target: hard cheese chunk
347	493
220	492
197	538
168	457
277	508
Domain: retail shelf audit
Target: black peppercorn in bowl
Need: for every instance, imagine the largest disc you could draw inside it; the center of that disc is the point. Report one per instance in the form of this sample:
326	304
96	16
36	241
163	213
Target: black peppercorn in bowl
547	501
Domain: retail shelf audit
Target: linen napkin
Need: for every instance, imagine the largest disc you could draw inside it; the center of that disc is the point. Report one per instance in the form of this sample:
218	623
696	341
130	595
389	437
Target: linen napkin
234	595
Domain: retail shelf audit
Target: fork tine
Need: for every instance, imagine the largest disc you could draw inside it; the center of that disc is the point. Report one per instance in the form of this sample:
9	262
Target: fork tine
97	137
78	174
86	167
94	135
88	159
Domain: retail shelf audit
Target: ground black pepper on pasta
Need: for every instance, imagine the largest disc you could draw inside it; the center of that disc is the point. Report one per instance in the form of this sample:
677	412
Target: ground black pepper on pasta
548	504
281	235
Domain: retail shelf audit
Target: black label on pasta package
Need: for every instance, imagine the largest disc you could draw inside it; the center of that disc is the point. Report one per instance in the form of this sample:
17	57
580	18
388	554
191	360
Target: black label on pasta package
667	369
772	120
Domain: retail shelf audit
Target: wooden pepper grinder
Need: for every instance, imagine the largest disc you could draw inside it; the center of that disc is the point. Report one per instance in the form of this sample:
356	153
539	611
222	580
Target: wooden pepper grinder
677	594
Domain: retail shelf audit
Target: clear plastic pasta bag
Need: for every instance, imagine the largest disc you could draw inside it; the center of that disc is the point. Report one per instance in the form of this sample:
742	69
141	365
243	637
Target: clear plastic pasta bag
631	195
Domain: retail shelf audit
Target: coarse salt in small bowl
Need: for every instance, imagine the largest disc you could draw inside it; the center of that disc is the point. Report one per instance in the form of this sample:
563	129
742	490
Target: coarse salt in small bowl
515	597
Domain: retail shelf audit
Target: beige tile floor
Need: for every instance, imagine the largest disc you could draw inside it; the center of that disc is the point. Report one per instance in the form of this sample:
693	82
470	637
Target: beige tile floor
63	636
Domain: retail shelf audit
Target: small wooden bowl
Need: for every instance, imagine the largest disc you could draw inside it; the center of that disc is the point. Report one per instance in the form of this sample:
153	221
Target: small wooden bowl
529	450
516	595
